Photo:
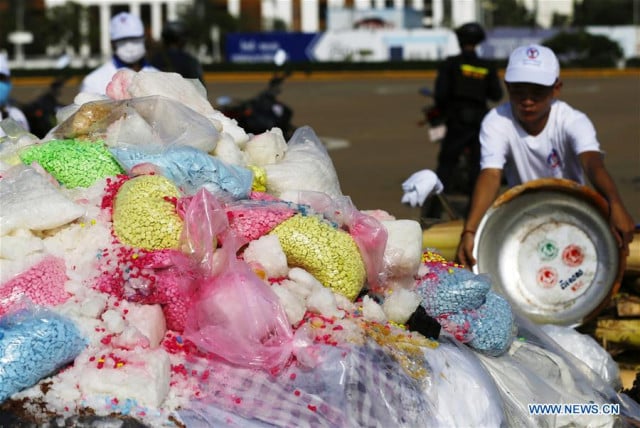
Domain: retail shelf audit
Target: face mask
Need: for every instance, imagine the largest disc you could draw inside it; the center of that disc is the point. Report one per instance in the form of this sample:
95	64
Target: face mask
5	90
130	51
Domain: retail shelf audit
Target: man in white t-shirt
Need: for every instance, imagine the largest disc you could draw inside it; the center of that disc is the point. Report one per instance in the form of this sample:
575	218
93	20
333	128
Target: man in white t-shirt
128	44
535	135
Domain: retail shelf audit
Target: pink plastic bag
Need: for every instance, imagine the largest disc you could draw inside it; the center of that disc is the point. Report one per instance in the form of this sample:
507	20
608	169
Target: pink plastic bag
234	314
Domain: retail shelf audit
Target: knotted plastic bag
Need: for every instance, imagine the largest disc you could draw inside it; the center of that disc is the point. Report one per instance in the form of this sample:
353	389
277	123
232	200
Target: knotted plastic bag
235	315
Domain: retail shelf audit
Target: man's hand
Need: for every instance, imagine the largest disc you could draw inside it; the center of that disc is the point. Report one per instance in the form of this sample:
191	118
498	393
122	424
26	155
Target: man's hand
485	192
620	220
464	255
622	225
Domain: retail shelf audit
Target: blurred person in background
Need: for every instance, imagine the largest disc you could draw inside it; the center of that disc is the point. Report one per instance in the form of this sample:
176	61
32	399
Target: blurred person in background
172	55
535	135
128	45
464	85
7	110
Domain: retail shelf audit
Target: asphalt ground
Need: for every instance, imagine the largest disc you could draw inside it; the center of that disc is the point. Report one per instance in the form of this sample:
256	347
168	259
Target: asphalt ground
370	121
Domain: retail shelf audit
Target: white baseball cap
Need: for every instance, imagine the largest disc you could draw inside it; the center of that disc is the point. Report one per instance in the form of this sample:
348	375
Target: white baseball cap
532	64
4	65
125	25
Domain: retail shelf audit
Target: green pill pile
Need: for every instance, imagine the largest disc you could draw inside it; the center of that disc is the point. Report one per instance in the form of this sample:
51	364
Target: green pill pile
73	163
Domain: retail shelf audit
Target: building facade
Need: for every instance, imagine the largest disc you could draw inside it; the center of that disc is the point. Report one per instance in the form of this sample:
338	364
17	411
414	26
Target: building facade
297	15
305	16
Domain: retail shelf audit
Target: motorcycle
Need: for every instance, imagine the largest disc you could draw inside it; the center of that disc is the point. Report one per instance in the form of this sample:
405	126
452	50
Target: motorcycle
263	111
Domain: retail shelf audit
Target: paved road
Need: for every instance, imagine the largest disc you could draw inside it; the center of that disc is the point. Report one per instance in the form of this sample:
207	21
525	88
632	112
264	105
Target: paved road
378	114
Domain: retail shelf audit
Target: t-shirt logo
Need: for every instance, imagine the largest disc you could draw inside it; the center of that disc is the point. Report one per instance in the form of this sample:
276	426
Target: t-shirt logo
532	53
553	160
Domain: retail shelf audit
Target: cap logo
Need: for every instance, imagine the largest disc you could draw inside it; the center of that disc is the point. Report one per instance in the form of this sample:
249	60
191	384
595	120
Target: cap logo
532	53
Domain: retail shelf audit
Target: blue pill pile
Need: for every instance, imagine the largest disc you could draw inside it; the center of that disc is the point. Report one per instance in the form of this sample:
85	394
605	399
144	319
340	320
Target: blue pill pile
191	169
493	326
453	291
464	305
34	343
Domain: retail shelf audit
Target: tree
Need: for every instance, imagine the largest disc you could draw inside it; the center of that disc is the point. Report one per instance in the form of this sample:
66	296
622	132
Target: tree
610	12
202	16
583	49
61	26
511	13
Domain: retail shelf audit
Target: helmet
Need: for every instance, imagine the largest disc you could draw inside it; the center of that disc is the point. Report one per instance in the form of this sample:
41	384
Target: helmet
471	33
174	32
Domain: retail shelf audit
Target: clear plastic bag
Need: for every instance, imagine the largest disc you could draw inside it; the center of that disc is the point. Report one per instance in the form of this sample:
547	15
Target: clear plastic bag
460	391
34	342
368	232
30	201
151	121
536	370
351	386
306	166
586	349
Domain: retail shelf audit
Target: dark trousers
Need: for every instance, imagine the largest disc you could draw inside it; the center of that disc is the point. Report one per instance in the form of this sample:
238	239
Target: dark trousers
459	159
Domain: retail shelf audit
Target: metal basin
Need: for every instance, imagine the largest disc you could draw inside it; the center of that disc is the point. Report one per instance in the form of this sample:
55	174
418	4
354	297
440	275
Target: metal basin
550	251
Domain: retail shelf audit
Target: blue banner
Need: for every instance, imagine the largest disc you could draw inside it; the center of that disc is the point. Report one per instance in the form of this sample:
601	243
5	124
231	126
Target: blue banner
261	47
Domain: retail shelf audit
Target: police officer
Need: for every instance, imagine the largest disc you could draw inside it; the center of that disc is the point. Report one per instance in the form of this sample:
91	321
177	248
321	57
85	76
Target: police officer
173	57
463	86
128	44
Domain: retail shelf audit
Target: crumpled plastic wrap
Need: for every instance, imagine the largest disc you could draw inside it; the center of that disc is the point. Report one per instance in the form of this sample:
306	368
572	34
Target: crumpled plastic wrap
306	166
152	121
586	349
31	202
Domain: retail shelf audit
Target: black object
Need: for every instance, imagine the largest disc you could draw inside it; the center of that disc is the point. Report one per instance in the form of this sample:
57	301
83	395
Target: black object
9	419
174	32
471	33
421	322
264	111
41	112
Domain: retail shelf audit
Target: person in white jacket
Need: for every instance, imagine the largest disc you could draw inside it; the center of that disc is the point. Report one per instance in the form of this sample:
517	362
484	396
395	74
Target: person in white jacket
129	51
7	110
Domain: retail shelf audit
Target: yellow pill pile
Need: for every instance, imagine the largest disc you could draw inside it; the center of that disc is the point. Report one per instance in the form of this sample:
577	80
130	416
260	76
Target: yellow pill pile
143	214
329	254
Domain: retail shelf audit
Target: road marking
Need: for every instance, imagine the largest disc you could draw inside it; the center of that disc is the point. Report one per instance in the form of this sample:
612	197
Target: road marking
332	143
